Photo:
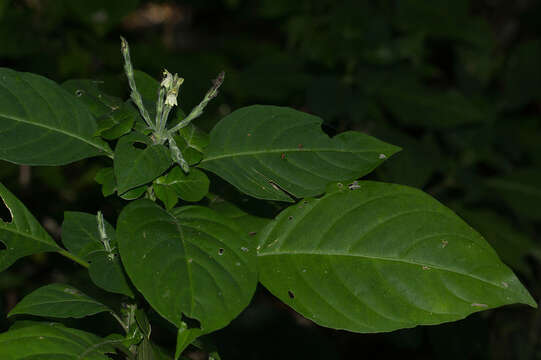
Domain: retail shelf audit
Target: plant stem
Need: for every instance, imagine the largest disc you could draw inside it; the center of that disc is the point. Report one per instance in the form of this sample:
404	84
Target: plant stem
72	257
135	96
198	110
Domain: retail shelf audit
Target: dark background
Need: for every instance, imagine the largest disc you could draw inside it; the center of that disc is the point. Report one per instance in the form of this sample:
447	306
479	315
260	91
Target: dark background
456	83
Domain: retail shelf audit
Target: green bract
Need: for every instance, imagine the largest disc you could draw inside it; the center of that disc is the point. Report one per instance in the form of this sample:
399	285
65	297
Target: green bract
350	254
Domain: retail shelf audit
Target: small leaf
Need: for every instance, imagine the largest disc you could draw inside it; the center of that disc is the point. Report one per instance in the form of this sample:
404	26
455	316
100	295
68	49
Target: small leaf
52	341
189	261
134	193
382	257
185	336
81	237
135	166
192	142
189	187
80	233
269	152
106	178
166	194
42	124
23	235
60	301
117	123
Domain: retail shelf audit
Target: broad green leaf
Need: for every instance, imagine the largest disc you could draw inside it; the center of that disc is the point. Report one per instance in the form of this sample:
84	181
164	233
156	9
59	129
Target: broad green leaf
521	190
52	341
80	235
271	152
246	223
135	166
189	261
189	187
192	142
106	178
23	235
42	124
379	258
59	301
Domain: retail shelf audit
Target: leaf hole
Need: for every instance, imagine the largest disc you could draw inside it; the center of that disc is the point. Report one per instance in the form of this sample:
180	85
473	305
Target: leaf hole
5	213
140	145
221	251
290	217
290	294
191	322
79	92
3	246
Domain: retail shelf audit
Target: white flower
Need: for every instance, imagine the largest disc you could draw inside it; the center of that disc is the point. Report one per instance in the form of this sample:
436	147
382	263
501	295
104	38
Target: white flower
171	98
167	79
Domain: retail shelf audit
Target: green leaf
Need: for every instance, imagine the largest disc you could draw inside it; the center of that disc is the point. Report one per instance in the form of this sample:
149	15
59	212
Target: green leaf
192	142
80	233
521	190
382	257
189	187
145	351
137	166
185	336
246	223
118	122
106	178
189	261
81	237
270	152
88	93
42	124
134	193
23	235
52	341
60	301
166	194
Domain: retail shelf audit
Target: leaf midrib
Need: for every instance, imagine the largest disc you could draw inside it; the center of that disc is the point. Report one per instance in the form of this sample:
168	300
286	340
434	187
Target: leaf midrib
371	257
286	150
14	118
31	236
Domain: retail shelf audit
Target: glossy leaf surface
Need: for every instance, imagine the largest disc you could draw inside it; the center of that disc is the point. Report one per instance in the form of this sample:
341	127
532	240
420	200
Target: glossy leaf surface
23	235
60	301
138	161
381	257
189	261
52	341
270	152
42	124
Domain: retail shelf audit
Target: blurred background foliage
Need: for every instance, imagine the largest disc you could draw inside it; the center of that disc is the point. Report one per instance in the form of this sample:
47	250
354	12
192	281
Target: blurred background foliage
456	83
